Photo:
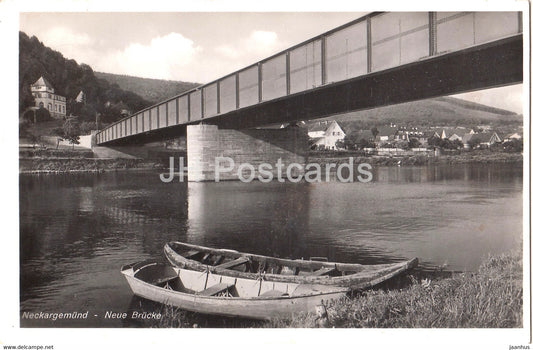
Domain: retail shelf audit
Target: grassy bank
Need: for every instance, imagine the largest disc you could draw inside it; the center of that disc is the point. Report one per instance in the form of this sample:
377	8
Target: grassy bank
489	298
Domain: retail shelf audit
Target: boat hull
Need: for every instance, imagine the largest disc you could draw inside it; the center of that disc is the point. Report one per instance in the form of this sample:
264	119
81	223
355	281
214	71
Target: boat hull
264	308
354	276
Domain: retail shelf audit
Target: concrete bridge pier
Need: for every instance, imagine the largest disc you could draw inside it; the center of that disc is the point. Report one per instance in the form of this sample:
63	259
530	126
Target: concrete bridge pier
241	152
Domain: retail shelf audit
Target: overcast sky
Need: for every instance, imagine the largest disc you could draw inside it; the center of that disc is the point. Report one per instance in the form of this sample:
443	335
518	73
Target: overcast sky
195	47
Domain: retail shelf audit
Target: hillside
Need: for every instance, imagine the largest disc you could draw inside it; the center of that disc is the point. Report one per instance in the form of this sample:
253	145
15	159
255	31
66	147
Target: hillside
69	78
441	111
475	106
153	90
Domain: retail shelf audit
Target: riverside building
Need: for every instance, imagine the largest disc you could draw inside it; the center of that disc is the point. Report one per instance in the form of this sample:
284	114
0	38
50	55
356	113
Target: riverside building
45	97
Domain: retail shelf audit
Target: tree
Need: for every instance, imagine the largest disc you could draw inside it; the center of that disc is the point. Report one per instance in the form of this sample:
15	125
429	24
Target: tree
457	144
364	143
434	141
474	142
349	141
71	130
87	113
24	126
513	145
42	115
374	131
446	144
68	78
414	143
60	135
340	144
29	116
403	144
26	98
87	127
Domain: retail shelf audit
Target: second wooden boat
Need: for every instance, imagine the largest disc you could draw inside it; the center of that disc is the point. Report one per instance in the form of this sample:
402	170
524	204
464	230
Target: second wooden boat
236	264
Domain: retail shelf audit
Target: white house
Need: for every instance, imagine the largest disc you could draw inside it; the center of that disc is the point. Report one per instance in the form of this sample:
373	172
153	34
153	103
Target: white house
81	97
45	97
387	133
453	133
485	139
513	136
326	134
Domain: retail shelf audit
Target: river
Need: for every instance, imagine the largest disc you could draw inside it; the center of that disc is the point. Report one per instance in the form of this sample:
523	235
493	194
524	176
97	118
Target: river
76	230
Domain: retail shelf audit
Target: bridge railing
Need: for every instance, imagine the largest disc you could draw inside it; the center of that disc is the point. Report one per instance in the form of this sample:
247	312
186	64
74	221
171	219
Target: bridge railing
375	42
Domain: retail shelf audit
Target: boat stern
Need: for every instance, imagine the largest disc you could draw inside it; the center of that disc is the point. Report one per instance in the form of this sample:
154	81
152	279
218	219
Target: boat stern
173	257
412	263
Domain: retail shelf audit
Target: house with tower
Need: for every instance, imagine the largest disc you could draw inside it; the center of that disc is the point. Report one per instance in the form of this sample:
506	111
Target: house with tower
45	97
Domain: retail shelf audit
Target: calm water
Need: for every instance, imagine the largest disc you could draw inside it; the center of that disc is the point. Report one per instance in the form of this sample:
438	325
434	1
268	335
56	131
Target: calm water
77	230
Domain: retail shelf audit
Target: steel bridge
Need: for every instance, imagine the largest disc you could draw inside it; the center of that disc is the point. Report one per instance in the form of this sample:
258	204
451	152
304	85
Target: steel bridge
376	60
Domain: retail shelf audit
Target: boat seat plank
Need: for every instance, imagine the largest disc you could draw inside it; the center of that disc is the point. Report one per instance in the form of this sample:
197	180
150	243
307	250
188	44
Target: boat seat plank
323	271
273	293
218	260
190	253
217	288
164	280
233	263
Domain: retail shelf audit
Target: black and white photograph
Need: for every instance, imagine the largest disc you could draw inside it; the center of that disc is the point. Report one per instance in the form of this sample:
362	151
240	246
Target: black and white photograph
303	175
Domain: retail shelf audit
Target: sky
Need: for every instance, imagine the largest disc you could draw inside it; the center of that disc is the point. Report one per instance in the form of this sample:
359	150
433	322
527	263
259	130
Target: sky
195	46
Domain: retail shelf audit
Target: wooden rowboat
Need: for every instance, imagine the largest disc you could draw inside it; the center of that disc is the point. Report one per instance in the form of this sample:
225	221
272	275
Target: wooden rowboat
236	264
209	293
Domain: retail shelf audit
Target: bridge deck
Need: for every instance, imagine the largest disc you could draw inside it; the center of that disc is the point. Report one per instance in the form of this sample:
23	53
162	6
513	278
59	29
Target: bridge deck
378	59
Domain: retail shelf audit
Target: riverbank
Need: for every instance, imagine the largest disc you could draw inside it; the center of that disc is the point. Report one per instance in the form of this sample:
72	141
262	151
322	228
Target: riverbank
478	156
65	161
490	298
77	165
56	161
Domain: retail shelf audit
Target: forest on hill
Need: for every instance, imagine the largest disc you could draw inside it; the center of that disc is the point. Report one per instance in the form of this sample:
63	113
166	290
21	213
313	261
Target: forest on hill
440	111
154	90
68	78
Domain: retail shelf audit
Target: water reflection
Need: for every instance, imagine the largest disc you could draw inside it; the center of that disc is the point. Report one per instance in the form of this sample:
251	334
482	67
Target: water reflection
259	218
483	174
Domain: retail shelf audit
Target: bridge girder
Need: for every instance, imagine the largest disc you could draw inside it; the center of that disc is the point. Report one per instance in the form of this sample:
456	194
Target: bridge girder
495	64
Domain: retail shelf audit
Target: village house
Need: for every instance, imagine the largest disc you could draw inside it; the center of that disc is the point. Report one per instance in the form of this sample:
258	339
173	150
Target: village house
512	136
45	97
326	135
81	97
406	133
466	140
485	139
452	133
459	133
387	133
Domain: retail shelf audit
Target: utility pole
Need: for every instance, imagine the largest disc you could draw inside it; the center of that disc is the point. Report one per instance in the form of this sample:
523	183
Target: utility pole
97	121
